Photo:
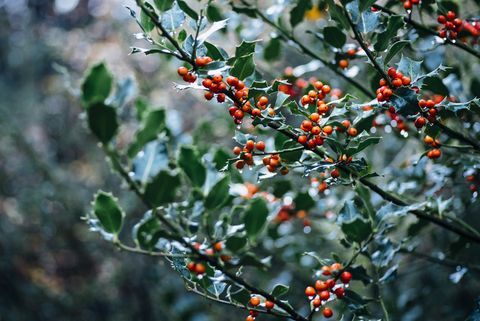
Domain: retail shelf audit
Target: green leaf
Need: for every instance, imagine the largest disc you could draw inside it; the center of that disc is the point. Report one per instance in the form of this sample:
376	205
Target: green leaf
355	227
186	8
359	143
219	193
189	162
334	36
365	21
245	48
145	20
409	67
280	290
436	85
102	121
395	49
405	101
255	217
97	85
456	107
236	243
108	212
395	23
164	5
298	12
273	49
303	201
337	14
243	67
162	188
215	52
147	232
214	13
153	124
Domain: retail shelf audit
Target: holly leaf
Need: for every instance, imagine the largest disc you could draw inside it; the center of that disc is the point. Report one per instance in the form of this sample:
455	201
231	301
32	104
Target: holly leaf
334	36
298	12
108	212
152	125
395	23
405	102
102	121
162	188
189	162
353	224
219	193
255	217
97	85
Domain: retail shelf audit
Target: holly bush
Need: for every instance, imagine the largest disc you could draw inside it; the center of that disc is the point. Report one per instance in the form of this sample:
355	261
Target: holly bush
347	172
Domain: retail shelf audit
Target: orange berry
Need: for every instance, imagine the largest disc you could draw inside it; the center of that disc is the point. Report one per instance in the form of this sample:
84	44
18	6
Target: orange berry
260	146
326	89
327	130
343	63
318	85
250	145
320	285
200	268
352	131
218	246
182	71
310	291
314	117
327	313
254	301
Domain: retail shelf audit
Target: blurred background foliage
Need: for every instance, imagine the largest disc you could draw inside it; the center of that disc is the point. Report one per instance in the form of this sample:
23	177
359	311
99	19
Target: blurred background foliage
51	266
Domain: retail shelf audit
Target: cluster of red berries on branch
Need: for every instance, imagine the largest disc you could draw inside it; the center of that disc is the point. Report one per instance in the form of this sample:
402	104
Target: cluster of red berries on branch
429	111
408	4
217	87
255	302
199	268
472	27
397	79
274	161
288	212
474	181
435	152
328	288
246	157
451	25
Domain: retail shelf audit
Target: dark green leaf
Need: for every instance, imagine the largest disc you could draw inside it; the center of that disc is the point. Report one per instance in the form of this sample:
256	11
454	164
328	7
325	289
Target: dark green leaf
394	49
215	52
336	13
145	19
164	5
409	67
236	243
405	101
395	23
186	8
243	67
214	13
162	188
355	227
147	232
108	212
102	121
97	85
298	12
273	49
280	290
218	194
255	217
303	201
189	162
153	124
334	36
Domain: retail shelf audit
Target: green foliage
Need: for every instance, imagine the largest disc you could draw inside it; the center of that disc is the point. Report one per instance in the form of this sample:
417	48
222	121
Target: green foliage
108	212
162	188
189	162
334	36
255	217
97	85
102	120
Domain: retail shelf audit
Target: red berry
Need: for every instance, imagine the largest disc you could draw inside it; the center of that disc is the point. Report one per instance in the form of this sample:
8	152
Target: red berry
339	292
310	291
335	173
346	277
327	313
441	19
324	295
269	305
255	301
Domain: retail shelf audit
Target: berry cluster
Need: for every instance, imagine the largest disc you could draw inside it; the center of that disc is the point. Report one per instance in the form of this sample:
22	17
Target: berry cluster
287	212
255	302
274	161
245	154
451	25
397	79
232	87
316	96
328	289
473	28
344	58
429	110
474	181
408	4
199	268
435	152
